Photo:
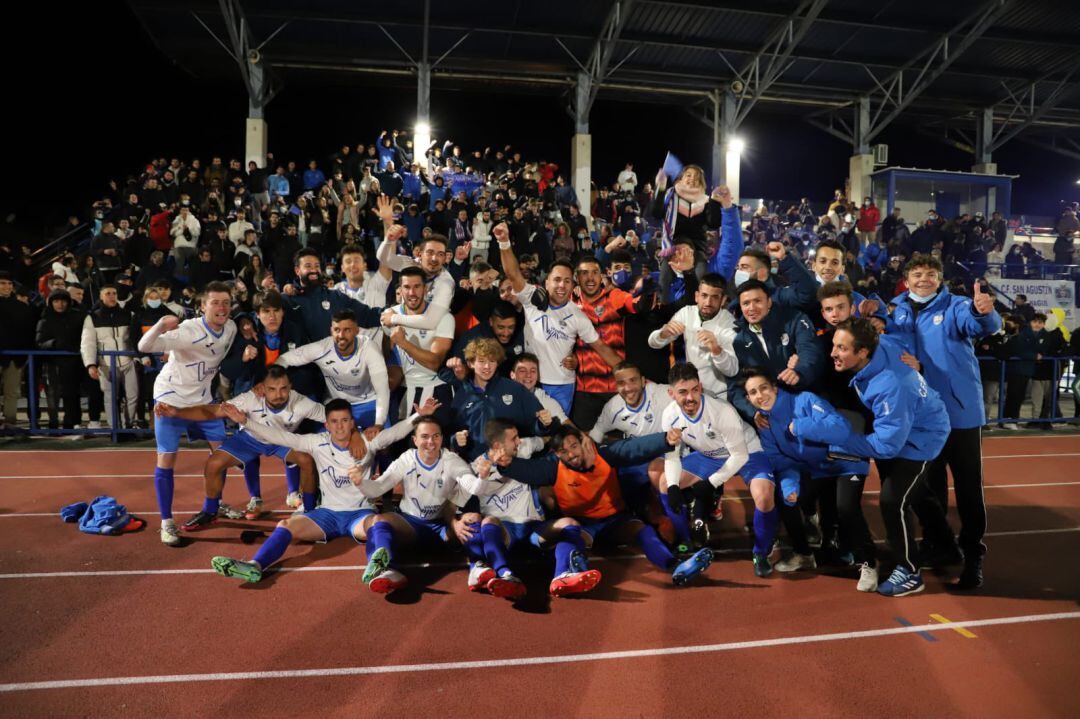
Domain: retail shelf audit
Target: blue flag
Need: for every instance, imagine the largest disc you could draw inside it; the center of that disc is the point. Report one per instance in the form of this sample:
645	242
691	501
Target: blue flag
672	166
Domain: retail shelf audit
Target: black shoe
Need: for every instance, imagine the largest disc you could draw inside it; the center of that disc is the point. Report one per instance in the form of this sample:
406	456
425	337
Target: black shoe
971	577
933	557
699	533
200	521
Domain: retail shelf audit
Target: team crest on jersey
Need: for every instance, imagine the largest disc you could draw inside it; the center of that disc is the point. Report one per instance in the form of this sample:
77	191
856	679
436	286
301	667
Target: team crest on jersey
326	304
291	345
710	433
938	319
648	418
600	310
354	372
784	339
518	349
507	399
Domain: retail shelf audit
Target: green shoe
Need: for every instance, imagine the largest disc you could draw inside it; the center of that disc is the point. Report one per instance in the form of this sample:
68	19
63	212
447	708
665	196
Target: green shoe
378	563
228	567
762	568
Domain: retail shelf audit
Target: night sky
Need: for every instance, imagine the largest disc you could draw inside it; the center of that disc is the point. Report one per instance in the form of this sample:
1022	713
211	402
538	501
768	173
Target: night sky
114	102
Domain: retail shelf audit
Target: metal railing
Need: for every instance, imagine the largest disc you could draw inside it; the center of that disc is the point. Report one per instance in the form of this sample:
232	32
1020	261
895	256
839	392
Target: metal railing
1062	381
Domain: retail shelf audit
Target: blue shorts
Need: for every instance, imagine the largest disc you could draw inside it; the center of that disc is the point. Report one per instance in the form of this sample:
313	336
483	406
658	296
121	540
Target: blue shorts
600	530
635	475
336	523
169	430
703	467
246	448
428	531
522	533
561	393
364	414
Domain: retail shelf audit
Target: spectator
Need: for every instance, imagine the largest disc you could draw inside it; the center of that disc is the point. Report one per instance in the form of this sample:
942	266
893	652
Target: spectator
106	249
869	216
108	328
185	232
1022	309
19	320
1049	343
60	329
278	184
1019	351
627	179
314	178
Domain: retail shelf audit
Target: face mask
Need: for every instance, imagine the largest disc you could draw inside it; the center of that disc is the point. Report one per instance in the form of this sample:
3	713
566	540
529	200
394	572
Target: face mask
621	279
741	276
920	300
238	202
773	270
153	304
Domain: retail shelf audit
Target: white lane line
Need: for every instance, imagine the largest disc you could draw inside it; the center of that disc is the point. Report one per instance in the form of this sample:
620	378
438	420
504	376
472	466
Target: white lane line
421	565
532	661
1026	456
144	475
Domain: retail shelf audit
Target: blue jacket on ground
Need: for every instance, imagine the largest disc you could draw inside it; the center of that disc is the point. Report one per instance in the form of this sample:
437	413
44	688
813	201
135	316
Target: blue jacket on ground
817	425
910	420
473	407
787	332
941	335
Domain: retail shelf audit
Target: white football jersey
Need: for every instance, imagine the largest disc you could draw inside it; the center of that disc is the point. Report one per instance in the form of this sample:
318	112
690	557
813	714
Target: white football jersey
287	418
502	497
645	418
195	354
718	432
424	489
551	335
358	378
416	374
712	369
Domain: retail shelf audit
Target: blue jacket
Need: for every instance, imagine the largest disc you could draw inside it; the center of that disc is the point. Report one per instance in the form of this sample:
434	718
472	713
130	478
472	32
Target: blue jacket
942	337
386	154
278	185
817	425
786	332
410	185
910	421
473	407
314	179
874	257
731	243
315	307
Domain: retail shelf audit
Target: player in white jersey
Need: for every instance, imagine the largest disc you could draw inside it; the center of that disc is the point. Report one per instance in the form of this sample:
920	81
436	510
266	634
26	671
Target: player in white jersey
196	348
422	352
720	445
428	475
343	507
276	405
709	332
353	368
439	283
361	285
553	325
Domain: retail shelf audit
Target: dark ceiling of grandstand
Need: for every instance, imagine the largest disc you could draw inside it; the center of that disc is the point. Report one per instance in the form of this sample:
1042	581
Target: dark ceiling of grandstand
665	51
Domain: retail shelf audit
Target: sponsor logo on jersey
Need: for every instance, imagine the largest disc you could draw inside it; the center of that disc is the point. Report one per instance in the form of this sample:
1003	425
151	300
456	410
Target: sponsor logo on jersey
550	333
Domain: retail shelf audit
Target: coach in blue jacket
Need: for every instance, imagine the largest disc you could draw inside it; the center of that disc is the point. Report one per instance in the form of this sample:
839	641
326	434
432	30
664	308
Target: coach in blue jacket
779	339
910	429
939	329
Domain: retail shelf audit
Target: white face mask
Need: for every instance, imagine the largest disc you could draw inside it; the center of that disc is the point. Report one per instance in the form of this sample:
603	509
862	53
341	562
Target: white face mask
741	276
921	300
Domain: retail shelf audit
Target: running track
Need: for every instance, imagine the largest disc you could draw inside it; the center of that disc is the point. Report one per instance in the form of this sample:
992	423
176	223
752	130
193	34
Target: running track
99	626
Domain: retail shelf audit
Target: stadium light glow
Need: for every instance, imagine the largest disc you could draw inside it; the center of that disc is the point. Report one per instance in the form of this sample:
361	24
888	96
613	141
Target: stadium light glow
421	140
422	128
736	145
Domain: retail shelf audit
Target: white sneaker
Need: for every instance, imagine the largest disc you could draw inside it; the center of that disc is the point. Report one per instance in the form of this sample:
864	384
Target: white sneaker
93	425
796	562
75	437
229	512
1011	426
170	536
479	576
868	578
294	500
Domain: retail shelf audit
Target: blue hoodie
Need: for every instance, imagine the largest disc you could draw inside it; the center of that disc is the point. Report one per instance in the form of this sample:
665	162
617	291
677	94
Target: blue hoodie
942	337
817	425
910	421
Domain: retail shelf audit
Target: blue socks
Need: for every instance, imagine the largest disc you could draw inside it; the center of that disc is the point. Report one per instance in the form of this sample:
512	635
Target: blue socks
163	486
681	520
765	525
273	548
655	549
474	548
251	477
380	536
570	540
494	549
292	477
309	501
211	505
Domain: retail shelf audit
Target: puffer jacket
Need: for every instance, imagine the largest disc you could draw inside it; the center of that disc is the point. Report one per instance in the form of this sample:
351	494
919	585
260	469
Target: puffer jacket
106	329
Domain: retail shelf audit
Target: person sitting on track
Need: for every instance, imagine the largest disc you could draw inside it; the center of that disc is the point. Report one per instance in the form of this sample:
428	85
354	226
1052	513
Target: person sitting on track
428	475
353	367
276	404
721	445
587	489
801	427
343	506
196	348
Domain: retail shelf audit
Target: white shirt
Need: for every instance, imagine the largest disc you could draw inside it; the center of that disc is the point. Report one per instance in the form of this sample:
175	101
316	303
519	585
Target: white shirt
503	497
288	418
358	378
548	402
416	374
646	418
440	289
713	369
627	180
717	432
332	462
195	354
551	335
424	489
372	293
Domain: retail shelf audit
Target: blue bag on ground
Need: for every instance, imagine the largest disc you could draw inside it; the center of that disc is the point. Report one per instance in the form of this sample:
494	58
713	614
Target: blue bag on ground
104	516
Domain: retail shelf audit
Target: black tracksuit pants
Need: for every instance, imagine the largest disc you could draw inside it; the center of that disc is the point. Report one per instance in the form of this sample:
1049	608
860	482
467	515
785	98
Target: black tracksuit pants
962	455
904	485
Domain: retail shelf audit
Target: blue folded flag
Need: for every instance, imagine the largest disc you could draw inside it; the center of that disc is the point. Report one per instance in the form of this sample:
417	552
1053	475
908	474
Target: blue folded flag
672	166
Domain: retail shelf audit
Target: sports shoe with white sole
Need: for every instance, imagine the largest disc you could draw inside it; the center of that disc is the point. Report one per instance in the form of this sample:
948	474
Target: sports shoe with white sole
506	587
868	578
796	562
170	535
901	583
254	508
229	512
387	581
479	576
294	500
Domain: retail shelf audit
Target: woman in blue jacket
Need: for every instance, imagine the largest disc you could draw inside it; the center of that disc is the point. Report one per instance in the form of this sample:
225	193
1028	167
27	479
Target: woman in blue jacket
940	329
909	430
801	427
